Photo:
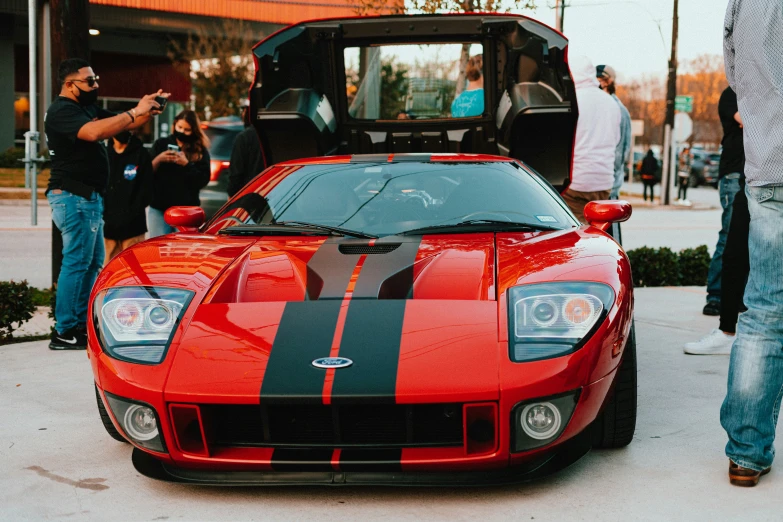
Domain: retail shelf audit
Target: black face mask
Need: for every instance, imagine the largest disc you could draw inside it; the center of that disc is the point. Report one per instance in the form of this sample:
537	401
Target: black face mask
123	137
87	97
184	138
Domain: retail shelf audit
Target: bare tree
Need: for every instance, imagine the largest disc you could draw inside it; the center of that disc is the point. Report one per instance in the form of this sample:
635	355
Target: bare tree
219	63
705	79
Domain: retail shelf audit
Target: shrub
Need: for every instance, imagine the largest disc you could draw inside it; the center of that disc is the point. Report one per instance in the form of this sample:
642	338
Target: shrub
16	306
654	267
694	266
10	158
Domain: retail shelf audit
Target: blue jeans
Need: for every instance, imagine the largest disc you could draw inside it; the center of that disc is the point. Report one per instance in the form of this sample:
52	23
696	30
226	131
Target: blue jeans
728	188
81	224
155	223
750	411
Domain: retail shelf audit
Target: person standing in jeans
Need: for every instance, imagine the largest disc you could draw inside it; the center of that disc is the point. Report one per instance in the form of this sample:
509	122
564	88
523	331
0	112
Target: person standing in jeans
732	164
74	127
734	275
753	47
181	165
683	176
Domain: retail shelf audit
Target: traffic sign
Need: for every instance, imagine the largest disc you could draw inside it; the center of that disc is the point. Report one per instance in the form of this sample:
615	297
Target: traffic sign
683	127
683	103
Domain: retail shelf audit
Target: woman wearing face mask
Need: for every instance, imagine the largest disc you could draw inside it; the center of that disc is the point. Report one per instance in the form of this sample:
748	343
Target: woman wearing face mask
181	165
127	195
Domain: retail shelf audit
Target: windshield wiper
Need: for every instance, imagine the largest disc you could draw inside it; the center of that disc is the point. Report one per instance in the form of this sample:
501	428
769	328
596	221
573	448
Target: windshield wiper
488	224
290	227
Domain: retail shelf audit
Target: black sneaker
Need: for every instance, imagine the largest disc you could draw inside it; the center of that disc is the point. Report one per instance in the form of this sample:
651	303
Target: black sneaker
711	308
73	339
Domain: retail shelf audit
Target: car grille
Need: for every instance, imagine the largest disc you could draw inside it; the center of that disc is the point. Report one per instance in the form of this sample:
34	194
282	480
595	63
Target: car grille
361	425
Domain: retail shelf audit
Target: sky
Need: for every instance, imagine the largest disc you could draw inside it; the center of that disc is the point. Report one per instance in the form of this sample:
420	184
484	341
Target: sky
624	33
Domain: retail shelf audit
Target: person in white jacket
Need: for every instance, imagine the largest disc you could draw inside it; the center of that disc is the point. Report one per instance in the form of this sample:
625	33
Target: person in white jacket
597	136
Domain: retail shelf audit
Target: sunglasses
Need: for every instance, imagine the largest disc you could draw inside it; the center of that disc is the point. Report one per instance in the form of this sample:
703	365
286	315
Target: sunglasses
90	80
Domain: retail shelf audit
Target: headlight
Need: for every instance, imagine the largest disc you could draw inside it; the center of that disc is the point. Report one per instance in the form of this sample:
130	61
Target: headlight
135	323
552	319
538	422
139	421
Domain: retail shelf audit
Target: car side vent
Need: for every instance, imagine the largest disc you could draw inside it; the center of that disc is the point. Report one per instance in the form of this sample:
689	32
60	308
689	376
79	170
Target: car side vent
367	249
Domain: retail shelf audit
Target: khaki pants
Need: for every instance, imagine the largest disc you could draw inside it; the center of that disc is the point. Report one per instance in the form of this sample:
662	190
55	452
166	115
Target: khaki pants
576	201
114	247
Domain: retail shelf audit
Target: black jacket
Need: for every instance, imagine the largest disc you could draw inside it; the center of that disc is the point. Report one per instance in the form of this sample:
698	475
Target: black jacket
128	192
175	185
247	161
649	165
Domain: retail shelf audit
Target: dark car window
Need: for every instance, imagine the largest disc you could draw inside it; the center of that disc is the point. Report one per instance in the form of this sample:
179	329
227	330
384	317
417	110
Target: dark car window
390	198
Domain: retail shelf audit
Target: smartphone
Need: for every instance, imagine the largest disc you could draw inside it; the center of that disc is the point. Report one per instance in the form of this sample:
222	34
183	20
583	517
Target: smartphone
161	101
173	148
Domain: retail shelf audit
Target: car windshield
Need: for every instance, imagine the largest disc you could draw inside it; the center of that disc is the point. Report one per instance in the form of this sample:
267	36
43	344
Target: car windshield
382	199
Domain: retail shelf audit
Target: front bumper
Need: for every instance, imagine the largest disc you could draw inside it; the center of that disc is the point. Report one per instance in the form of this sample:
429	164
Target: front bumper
542	465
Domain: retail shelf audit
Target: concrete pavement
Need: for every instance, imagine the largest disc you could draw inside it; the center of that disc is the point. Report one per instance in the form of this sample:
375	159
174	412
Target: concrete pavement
58	463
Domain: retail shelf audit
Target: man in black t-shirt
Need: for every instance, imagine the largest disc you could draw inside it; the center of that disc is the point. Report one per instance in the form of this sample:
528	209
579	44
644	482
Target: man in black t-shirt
74	127
732	164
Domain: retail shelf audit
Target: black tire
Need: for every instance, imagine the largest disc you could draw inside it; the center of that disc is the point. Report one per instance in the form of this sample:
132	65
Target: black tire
615	425
106	420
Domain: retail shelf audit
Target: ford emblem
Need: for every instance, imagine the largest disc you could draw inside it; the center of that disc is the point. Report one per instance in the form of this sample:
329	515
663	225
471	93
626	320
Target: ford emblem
332	362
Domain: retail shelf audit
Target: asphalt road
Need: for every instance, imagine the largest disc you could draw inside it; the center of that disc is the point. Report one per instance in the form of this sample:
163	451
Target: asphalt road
58	463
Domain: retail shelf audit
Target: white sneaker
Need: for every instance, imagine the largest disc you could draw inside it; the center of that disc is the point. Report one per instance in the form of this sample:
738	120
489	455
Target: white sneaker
686	203
714	343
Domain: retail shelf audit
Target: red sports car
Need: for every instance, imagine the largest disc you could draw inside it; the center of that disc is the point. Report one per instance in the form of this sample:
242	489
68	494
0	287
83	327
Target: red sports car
420	307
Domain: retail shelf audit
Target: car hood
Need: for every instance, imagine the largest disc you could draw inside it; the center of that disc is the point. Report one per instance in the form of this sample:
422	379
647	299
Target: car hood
397	307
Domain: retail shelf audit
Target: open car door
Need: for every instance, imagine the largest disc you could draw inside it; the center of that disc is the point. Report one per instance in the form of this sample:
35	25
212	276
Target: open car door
397	84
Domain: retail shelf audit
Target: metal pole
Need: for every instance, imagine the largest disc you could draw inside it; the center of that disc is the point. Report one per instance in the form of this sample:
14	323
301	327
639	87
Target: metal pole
665	179
31	137
671	94
562	15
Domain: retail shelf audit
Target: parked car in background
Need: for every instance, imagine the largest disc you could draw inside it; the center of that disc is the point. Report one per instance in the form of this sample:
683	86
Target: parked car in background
704	168
221	133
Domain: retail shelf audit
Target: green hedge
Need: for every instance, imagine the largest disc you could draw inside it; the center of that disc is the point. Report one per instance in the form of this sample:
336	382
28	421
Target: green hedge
10	158
16	306
663	267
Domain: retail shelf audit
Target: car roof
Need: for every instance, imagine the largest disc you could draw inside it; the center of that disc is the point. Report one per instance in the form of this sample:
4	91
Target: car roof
395	158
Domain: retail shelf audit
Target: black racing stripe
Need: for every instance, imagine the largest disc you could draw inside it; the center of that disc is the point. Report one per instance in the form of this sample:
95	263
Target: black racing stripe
388	276
305	333
302	459
371	460
329	272
371	339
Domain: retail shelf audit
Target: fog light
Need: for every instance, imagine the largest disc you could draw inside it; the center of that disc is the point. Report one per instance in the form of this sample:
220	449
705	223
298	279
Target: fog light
541	420
141	423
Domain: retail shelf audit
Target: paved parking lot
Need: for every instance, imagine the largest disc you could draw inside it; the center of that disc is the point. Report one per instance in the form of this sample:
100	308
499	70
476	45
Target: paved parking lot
58	463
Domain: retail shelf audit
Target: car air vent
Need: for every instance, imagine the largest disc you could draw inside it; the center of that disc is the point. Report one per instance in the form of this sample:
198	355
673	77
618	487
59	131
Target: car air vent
368	249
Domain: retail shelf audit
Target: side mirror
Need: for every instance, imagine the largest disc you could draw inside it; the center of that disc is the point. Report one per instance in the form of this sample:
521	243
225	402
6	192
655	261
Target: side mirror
185	219
601	214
